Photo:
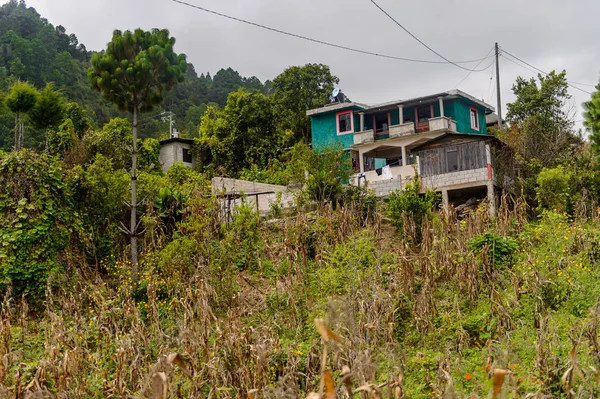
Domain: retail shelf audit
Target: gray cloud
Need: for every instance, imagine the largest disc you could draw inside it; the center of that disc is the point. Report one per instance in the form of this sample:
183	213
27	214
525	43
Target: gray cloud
549	34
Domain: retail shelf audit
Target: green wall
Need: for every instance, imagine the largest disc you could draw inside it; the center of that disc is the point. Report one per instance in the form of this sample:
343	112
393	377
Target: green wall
324	130
459	110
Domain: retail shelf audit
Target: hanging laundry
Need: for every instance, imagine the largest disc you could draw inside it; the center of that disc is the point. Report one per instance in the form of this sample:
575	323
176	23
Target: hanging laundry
378	171
387	173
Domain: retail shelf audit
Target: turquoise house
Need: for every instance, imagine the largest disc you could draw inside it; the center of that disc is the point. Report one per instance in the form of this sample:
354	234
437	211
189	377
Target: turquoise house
385	134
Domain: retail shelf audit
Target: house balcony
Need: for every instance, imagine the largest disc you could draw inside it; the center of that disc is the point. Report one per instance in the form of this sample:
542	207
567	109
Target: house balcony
405	129
442	123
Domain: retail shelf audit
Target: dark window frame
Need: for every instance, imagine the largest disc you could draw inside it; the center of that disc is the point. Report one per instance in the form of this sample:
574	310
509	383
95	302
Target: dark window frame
187	156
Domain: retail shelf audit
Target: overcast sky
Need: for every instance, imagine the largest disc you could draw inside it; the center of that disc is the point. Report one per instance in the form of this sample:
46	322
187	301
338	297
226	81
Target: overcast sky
549	34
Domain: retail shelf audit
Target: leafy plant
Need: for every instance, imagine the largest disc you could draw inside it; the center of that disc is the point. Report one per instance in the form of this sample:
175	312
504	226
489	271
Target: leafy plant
410	203
553	189
38	224
499	248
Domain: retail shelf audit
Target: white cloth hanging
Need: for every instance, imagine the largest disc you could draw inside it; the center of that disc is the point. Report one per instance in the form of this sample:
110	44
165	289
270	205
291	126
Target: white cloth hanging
386	172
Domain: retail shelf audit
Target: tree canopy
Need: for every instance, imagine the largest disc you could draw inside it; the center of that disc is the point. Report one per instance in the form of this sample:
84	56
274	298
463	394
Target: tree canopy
592	118
298	89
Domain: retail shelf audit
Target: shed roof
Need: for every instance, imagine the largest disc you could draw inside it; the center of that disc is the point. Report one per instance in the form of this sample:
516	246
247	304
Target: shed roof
177	140
465	135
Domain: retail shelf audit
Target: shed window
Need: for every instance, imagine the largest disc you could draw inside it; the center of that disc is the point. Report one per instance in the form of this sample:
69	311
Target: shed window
187	156
345	122
452	159
474	118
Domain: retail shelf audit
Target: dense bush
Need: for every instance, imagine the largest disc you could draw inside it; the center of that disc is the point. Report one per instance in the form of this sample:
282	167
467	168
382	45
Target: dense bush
40	225
410	204
553	189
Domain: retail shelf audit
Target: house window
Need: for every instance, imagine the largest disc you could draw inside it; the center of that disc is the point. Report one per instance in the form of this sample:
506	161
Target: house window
345	122
424	114
452	159
474	118
187	156
382	123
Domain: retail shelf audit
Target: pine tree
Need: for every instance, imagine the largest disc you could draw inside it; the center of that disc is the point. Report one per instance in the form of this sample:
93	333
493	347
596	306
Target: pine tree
49	110
134	72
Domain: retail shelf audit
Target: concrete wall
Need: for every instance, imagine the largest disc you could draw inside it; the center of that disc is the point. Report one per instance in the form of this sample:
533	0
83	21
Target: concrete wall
171	153
383	188
222	185
459	179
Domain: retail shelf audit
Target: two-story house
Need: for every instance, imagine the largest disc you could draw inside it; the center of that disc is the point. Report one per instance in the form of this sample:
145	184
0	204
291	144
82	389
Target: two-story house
385	140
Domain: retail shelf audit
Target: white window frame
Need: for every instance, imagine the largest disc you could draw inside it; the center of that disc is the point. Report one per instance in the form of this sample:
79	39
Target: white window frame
337	122
474	126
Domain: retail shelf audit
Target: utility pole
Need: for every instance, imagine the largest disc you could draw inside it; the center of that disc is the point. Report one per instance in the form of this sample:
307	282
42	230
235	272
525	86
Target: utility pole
499	109
170	124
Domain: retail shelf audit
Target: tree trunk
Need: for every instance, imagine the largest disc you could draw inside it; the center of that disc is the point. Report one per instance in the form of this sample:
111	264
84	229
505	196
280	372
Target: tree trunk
133	229
22	134
16	141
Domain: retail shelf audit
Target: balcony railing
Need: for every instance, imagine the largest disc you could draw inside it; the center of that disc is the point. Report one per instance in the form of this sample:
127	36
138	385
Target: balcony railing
407	129
442	122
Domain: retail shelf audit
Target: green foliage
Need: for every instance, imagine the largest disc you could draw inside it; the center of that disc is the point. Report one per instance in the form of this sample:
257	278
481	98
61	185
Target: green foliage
592	119
102	192
61	141
21	99
112	141
49	111
362	199
243	134
348	264
540	127
148	153
38	224
77	115
409	203
298	89
500	249
553	189
136	69
328	170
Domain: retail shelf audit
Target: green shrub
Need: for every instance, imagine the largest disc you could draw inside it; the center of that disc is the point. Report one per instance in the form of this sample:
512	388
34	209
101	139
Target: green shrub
500	248
552	189
39	222
410	203
363	199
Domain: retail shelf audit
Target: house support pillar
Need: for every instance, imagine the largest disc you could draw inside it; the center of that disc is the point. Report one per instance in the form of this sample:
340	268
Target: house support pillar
361	160
445	200
491	194
401	113
441	99
362	121
404	157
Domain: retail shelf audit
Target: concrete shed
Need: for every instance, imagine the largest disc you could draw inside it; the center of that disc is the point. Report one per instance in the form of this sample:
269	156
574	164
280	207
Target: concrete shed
176	150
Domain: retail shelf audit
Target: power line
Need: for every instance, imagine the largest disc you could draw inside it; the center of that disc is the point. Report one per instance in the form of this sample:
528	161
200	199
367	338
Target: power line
470	72
339	46
420	41
490	86
545	73
522	66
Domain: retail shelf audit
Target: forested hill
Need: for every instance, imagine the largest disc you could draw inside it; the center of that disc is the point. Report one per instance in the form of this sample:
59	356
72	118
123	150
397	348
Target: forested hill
34	50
